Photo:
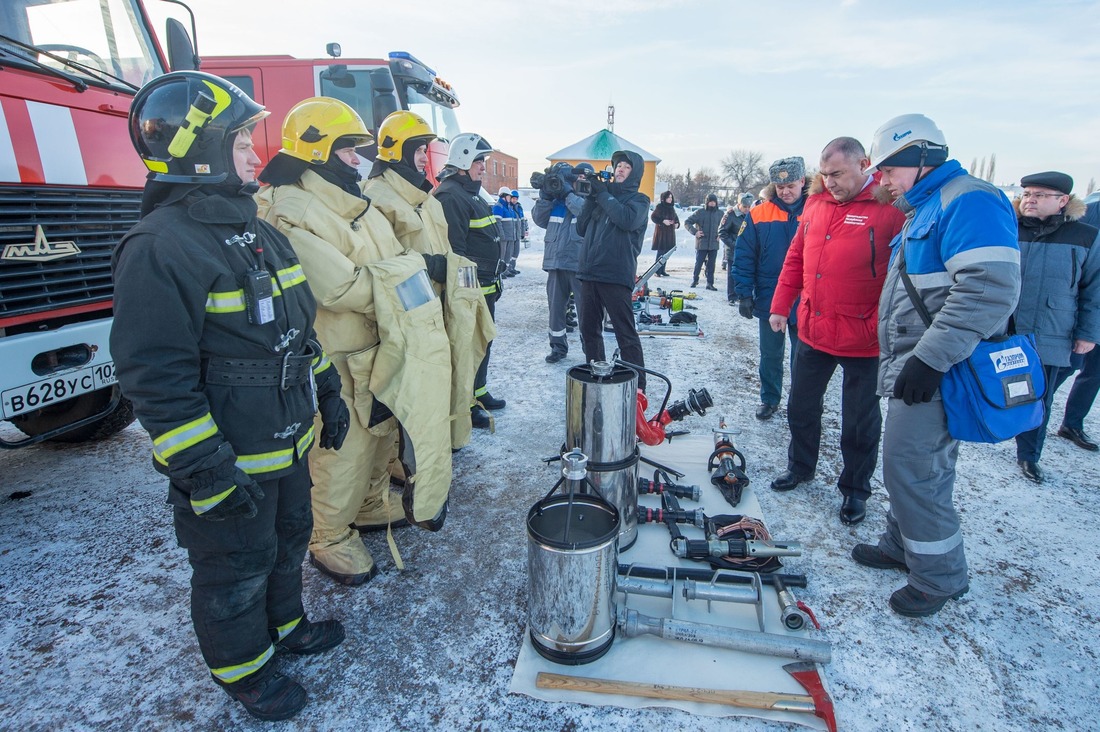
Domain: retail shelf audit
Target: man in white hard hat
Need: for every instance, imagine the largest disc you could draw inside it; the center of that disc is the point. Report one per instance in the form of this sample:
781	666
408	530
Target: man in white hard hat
958	246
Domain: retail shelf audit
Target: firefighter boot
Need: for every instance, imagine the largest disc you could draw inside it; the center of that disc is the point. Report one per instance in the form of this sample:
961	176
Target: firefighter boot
342	557
309	638
374	515
268	695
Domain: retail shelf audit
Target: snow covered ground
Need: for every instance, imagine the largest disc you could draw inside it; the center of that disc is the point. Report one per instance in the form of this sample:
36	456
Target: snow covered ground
94	593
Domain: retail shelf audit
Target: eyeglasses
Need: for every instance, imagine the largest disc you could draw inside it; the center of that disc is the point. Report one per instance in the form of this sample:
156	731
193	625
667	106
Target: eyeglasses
1031	194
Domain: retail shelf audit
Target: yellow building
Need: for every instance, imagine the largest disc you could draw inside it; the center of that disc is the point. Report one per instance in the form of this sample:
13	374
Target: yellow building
597	150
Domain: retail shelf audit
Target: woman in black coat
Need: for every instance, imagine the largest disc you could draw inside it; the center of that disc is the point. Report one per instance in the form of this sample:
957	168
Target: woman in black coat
664	235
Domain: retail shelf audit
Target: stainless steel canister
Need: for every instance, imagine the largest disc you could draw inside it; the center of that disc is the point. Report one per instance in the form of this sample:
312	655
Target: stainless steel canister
601	418
571	569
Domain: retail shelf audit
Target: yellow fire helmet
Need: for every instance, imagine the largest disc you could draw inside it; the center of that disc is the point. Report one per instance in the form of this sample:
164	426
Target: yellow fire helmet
313	125
399	128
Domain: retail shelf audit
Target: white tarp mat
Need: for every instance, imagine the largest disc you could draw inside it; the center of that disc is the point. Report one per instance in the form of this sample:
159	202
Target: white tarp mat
652	660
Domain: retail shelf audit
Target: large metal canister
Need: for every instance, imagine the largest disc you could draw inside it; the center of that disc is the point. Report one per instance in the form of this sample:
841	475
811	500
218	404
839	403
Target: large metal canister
601	418
571	569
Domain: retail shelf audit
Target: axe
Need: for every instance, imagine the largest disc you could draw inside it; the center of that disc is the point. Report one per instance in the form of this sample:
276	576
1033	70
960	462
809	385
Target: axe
818	702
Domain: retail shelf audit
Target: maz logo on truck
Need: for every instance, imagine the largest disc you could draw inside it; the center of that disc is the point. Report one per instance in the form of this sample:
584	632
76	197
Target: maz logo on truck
41	251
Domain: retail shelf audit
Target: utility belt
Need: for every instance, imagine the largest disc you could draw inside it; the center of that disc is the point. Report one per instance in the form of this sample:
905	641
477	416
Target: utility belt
285	372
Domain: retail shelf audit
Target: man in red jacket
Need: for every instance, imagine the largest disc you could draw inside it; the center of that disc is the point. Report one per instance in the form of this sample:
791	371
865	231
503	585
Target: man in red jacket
837	262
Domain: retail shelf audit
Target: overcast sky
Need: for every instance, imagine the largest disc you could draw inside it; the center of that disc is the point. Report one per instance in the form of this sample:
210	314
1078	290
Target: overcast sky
692	80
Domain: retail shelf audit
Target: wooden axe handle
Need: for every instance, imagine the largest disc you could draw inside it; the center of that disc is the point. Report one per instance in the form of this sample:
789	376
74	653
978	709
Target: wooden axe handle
750	699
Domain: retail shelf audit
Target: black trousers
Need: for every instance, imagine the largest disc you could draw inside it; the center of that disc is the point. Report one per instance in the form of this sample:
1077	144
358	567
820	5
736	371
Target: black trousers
861	417
481	378
246	574
597	297
710	256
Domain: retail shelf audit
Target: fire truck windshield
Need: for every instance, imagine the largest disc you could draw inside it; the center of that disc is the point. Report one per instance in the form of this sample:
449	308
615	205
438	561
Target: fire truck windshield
102	42
441	118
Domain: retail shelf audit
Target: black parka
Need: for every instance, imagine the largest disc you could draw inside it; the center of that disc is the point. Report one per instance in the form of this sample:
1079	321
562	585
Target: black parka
613	224
471	226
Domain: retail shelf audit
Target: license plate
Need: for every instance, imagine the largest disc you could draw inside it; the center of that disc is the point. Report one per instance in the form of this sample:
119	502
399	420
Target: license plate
30	397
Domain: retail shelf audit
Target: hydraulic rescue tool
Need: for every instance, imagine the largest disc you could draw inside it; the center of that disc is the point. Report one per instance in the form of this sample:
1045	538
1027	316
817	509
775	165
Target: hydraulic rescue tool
651	430
658	486
727	465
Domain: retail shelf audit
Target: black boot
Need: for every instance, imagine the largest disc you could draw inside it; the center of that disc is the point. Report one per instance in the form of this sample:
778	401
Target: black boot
479	418
309	638
269	695
488	401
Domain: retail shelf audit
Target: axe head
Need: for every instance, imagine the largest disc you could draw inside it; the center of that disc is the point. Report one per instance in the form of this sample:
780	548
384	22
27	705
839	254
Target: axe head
807	674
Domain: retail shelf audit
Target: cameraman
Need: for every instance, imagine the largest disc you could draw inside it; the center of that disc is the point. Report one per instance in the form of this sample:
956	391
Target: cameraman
613	223
556	211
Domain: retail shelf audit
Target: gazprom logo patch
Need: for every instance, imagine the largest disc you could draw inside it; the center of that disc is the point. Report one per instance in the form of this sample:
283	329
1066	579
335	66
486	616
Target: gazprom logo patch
1009	359
902	136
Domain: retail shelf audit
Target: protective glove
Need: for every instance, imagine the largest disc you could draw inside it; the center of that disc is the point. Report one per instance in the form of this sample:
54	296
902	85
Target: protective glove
598	186
221	492
745	307
437	267
917	382
335	421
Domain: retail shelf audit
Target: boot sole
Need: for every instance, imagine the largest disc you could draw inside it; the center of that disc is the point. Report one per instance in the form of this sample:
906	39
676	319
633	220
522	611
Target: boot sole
351	580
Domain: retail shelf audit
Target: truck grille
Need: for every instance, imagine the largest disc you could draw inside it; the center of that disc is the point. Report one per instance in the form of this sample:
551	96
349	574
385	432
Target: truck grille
95	220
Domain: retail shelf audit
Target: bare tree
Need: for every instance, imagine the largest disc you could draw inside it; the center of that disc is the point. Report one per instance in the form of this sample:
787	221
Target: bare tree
992	168
744	171
1092	186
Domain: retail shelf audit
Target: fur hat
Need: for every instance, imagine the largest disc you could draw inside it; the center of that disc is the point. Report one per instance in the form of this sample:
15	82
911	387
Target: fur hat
787	170
746	199
1051	179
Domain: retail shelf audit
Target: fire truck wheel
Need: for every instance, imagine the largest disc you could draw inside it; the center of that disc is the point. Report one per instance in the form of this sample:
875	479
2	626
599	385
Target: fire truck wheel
85	405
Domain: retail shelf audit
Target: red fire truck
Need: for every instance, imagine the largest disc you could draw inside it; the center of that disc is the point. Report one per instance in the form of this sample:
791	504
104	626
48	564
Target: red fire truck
374	87
70	187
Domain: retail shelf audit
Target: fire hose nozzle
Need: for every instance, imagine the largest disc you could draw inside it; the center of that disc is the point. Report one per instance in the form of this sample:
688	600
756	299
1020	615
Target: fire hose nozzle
574	465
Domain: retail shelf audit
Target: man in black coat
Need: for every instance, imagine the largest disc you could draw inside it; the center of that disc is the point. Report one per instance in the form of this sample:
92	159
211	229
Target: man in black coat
704	225
613	223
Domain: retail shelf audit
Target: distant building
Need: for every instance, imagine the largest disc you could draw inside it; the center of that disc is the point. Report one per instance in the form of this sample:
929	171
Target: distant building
503	170
597	149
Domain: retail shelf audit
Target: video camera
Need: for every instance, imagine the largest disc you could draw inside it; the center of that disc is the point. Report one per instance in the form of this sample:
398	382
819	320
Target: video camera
584	187
557	180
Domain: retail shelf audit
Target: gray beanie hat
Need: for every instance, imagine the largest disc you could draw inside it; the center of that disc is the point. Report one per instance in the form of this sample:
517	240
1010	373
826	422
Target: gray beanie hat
787	170
747	198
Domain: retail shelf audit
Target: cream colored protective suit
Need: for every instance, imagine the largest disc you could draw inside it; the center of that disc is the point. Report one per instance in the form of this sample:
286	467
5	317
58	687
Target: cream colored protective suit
335	235
419	223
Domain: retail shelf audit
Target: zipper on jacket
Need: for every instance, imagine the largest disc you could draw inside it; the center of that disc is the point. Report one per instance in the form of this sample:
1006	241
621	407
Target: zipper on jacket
1073	259
871	235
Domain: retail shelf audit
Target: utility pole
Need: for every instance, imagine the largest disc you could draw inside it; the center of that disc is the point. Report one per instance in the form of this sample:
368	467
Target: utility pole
611	117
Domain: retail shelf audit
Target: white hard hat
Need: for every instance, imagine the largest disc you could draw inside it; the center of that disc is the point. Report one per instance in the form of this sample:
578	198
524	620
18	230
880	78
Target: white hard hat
467	147
504	191
908	130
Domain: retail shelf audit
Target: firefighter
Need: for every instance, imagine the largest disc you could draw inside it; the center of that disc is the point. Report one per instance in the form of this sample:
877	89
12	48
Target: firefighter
473	233
214	344
314	199
399	187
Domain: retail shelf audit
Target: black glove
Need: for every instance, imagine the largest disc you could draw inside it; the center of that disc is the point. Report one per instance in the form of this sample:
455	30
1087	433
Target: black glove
437	267
335	421
745	307
598	186
917	382
224	491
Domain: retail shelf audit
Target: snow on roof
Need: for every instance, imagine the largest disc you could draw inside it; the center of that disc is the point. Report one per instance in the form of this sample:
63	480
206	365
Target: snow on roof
600	146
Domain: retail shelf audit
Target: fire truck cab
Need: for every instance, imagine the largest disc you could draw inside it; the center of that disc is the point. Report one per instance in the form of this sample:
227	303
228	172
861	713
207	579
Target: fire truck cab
70	187
374	87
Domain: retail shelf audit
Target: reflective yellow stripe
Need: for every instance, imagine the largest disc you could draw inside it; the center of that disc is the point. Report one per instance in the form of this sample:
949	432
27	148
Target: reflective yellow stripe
482	391
183	437
266	462
201	507
285	630
320	363
225	302
291	276
489	289
229	674
305	442
481	223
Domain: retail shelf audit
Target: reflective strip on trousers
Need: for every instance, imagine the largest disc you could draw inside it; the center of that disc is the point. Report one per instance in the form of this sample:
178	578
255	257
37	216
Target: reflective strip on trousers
932	547
489	289
284	630
183	437
557	333
232	674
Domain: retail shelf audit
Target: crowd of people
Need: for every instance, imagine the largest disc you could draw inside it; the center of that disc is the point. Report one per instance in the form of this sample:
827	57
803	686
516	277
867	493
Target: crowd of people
259	317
